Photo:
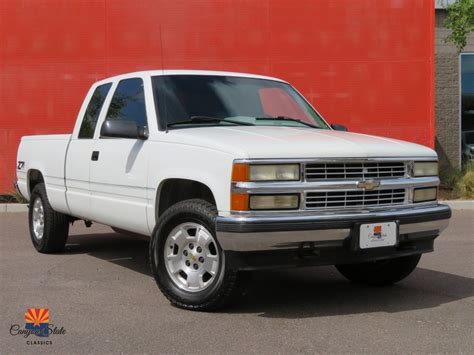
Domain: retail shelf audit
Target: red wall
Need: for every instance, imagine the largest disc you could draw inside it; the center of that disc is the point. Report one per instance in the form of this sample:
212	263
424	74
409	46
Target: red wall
366	63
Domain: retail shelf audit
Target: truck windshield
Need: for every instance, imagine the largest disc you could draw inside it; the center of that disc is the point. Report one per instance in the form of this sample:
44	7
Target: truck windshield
230	101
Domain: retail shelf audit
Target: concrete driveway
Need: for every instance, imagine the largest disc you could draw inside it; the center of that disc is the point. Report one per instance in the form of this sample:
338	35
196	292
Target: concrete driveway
101	292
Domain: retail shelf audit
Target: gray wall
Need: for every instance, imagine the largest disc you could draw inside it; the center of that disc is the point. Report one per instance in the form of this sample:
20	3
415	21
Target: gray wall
447	118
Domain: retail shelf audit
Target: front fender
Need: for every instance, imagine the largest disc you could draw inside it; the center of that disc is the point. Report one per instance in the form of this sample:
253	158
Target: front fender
206	166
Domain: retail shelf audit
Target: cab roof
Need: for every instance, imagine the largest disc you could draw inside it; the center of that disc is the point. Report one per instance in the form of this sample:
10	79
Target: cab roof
185	72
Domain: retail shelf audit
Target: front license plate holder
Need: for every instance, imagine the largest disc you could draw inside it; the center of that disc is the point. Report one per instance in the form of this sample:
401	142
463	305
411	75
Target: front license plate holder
354	240
372	236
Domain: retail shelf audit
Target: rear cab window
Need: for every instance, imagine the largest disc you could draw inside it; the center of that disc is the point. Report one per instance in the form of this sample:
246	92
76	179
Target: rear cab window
89	121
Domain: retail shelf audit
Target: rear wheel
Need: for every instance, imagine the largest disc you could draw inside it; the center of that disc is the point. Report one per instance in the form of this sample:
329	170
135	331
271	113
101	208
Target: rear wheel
48	229
382	272
187	262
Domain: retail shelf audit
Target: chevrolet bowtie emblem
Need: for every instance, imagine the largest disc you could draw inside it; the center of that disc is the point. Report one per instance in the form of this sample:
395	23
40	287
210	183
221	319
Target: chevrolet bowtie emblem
368	184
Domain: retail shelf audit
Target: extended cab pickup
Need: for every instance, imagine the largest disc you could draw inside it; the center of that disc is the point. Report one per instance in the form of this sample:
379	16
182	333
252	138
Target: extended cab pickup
229	172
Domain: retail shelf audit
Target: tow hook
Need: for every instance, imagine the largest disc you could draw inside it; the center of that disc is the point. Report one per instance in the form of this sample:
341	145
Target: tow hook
307	250
87	223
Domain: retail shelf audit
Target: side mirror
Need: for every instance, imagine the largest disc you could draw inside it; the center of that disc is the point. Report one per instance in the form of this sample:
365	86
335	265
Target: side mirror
123	129
339	127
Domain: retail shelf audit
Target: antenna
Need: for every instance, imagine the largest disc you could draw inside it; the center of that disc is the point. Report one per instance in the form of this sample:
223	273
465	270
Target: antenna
162	56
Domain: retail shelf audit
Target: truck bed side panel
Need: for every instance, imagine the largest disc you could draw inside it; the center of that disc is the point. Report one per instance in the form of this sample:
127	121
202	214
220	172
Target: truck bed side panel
47	155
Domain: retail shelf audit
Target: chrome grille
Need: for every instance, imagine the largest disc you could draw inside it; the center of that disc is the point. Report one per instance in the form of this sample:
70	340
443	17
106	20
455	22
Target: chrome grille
364	170
354	198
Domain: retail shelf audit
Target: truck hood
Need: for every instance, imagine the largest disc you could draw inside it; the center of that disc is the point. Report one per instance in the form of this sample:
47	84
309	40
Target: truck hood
294	142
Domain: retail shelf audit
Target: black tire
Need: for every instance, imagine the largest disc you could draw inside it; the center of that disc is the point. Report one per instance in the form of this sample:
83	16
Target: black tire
56	225
224	284
380	273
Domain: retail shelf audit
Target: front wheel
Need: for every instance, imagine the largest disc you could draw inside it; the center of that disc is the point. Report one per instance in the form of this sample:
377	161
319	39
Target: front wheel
187	262
382	272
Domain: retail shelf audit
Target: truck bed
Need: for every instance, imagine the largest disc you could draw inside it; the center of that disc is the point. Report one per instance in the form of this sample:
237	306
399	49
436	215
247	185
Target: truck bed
45	153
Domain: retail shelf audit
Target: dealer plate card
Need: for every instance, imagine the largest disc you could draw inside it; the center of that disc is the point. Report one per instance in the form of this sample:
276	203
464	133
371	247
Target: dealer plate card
377	235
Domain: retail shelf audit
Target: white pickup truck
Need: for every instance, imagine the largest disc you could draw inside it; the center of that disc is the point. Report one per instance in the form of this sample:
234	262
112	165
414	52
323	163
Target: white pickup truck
228	172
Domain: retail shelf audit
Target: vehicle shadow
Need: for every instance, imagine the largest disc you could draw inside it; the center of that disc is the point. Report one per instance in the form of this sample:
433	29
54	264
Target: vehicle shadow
322	292
127	251
297	293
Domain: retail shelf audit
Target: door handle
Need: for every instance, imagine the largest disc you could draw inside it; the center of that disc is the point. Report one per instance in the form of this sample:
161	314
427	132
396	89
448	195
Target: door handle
95	155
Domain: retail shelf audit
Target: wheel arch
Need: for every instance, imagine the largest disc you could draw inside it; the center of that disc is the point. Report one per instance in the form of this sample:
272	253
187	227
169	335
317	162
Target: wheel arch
34	177
173	190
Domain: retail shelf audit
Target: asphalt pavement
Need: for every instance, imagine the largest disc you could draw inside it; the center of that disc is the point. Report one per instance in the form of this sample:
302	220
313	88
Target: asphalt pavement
102	298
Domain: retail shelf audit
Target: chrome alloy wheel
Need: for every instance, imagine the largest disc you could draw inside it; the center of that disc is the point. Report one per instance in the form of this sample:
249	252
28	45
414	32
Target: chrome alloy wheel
191	257
38	218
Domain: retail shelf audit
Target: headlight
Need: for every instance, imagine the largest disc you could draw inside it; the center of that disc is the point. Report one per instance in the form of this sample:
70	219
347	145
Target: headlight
425	168
425	194
245	172
242	172
274	202
280	172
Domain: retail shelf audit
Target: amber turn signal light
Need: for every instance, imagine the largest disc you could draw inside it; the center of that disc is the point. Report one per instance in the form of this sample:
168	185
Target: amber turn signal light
239	202
240	172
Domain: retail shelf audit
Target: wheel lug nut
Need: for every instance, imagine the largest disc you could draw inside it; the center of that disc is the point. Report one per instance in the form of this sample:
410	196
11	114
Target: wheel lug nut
191	246
199	249
196	266
201	259
185	253
187	263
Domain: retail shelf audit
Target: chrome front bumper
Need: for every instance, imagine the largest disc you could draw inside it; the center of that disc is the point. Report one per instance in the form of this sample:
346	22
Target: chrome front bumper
247	233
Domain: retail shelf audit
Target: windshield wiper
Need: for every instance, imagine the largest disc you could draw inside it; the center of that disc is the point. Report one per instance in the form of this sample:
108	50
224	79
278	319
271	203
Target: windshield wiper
208	119
285	118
